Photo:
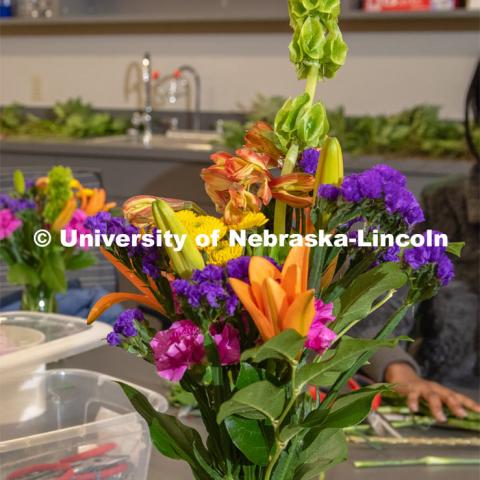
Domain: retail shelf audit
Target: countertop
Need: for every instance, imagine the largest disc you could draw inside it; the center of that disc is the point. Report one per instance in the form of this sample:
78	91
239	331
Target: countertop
116	147
119	363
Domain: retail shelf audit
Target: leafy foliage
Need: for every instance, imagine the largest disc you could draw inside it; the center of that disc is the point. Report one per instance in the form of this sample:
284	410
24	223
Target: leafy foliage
418	131
72	118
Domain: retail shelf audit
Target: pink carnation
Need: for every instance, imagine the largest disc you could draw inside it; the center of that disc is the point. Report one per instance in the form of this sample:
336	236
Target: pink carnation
227	340
177	348
320	337
8	223
77	222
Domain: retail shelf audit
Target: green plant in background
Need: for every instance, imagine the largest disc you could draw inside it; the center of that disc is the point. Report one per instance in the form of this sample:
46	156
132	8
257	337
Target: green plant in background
418	131
73	118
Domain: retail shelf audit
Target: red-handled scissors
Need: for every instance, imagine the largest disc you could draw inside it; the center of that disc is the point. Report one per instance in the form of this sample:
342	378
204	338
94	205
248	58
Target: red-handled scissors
92	464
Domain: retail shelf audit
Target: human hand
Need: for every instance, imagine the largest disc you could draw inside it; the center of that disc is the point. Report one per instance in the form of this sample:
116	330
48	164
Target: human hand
414	388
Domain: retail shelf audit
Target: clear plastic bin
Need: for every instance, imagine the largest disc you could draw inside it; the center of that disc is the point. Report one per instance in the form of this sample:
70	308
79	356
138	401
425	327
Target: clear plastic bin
86	418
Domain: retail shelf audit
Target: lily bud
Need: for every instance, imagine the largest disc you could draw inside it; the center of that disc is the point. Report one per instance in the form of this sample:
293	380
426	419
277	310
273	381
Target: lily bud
330	165
19	181
187	260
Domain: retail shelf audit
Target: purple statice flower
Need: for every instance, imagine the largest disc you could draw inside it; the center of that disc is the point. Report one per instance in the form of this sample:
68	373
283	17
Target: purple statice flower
418	257
29	183
99	222
114	339
177	348
350	188
187	290
149	258
445	270
227	340
125	323
329	192
212	293
232	302
238	268
400	200
211	273
390	175
391	254
320	337
309	160
15	204
370	184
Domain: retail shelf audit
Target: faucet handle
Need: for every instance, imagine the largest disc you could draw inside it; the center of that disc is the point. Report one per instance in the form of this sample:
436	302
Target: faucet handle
155	75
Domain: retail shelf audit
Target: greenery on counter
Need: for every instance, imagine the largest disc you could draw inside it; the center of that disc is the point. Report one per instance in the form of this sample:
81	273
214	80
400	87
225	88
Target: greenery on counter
70	119
418	131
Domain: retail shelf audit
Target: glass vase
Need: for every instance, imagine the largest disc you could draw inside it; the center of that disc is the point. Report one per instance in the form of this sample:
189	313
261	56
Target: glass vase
38	299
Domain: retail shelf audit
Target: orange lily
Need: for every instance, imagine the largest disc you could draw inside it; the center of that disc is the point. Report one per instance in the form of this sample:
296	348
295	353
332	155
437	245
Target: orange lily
294	189
65	215
146	297
278	300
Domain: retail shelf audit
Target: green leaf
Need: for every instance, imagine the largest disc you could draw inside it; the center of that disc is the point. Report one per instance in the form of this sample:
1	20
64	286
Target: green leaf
284	346
455	248
246	376
22	274
247	436
53	272
80	260
328	448
259	400
346	354
356	302
170	436
352	408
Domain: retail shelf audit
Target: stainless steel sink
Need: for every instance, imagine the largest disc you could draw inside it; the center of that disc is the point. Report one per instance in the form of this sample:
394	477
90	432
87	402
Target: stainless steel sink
157	141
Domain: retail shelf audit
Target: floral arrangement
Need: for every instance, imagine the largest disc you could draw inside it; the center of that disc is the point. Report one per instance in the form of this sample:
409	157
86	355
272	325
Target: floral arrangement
31	218
257	331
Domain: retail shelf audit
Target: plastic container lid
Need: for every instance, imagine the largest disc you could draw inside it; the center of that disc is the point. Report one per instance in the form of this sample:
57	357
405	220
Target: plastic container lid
62	336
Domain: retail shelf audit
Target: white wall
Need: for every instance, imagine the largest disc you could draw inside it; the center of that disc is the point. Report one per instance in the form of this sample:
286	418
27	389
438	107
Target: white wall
384	72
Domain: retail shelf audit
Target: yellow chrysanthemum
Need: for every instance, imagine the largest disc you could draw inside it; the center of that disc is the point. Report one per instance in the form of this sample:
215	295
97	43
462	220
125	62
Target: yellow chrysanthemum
250	221
201	224
221	254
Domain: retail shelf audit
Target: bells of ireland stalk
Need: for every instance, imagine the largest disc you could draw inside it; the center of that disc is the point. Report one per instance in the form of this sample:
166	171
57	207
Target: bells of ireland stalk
187	260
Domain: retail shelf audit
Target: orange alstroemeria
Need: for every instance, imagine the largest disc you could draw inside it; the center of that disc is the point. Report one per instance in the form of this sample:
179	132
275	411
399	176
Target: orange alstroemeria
147	296
295	189
238	184
278	300
260	138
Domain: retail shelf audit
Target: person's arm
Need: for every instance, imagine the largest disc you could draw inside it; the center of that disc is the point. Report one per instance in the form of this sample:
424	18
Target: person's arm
409	384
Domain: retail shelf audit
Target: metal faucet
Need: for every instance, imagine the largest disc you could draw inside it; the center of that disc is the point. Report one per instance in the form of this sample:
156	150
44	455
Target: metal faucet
145	118
174	88
147	111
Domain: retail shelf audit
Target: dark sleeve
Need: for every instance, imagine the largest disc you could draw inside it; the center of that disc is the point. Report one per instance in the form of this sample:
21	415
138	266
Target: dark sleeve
371	325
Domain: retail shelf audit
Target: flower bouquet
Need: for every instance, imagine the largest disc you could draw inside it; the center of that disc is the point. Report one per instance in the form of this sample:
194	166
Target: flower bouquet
31	219
260	301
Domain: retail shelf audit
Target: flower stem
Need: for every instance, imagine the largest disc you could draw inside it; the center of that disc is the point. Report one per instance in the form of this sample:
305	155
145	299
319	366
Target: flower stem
281	207
279	446
311	85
